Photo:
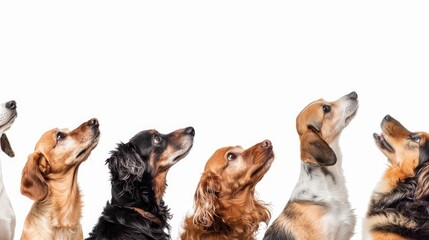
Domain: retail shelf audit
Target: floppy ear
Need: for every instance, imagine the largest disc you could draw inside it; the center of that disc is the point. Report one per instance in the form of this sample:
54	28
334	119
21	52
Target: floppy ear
422	190
33	184
315	150
5	146
206	199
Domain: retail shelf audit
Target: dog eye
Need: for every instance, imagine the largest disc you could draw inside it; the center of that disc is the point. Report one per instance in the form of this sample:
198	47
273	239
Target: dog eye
326	108
231	156
60	136
415	139
157	139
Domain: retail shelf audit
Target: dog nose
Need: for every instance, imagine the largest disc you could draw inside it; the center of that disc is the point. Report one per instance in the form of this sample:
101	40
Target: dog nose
93	122
190	131
11	105
266	144
353	95
387	117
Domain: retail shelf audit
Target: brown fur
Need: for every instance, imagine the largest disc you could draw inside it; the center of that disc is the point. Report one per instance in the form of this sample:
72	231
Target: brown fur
302	219
50	179
225	204
387	236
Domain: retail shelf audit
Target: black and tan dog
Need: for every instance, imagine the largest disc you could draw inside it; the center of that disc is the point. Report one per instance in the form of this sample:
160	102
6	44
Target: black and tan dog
399	207
138	171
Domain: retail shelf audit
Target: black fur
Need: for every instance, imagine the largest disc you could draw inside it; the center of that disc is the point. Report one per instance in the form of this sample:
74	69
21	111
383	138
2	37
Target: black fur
402	201
274	233
132	186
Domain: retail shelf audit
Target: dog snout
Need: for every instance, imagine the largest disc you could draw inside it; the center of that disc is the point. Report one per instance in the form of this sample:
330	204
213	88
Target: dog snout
93	123
353	95
388	117
266	144
11	105
190	131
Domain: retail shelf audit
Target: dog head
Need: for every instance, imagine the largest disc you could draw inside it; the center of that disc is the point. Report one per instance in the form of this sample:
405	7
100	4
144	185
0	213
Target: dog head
150	154
320	123
57	152
403	148
8	115
231	173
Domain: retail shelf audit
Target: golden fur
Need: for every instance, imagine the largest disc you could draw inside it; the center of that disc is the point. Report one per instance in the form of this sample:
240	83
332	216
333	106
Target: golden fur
50	179
225	204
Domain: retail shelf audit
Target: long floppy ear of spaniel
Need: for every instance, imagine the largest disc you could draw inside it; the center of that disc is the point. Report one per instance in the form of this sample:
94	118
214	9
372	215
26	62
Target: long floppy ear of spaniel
206	199
315	150
33	184
422	190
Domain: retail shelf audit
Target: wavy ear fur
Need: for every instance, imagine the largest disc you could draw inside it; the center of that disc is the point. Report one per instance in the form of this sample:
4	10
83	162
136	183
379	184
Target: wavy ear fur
33	184
422	190
206	199
315	150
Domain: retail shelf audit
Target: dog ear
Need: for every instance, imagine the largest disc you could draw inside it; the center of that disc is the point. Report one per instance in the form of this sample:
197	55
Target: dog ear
5	146
206	199
422	190
33	184
315	150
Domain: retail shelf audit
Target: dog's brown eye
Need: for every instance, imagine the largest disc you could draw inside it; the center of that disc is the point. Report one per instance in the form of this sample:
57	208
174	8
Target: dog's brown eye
157	139
326	108
415	139
231	156
60	136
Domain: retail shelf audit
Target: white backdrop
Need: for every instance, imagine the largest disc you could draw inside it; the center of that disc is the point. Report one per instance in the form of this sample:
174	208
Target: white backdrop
237	71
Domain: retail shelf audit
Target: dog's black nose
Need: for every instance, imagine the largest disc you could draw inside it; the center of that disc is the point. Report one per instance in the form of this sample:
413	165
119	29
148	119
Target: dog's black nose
93	122
353	95
266	144
387	117
190	131
11	105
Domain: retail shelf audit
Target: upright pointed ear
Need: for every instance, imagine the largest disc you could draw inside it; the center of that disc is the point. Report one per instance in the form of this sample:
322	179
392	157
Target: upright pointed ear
315	150
206	199
33	184
5	146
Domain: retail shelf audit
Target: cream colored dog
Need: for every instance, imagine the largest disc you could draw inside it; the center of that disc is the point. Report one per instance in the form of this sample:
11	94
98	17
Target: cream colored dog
7	216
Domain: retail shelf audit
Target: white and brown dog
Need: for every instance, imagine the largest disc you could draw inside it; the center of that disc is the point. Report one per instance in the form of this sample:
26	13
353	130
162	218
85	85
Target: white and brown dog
319	207
8	115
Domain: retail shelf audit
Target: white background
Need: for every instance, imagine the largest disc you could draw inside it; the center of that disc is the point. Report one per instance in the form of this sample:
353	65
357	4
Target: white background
237	71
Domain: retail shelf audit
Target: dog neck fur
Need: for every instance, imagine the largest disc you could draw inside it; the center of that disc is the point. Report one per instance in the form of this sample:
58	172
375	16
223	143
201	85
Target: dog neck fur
67	204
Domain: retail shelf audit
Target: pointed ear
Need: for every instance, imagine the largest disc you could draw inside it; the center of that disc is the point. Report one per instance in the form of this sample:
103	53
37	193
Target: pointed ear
422	190
315	150
206	199
33	184
5	146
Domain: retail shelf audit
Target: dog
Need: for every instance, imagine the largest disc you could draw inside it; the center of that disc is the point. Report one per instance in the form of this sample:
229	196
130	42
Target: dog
138	172
49	178
399	206
319	207
8	114
225	205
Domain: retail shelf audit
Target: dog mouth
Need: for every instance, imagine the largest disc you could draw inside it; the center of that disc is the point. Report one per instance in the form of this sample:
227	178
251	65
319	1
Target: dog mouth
351	116
382	143
88	150
10	121
181	156
265	165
